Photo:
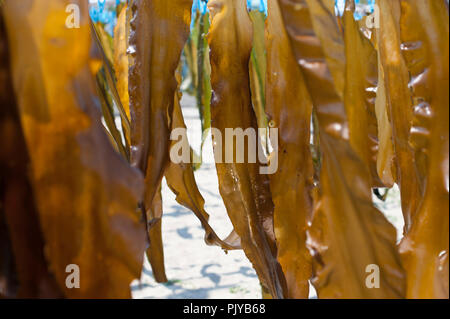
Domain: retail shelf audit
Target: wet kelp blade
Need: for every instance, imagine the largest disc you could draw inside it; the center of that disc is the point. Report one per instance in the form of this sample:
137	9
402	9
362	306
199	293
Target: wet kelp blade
400	109
329	33
85	193
289	108
152	83
107	103
257	67
245	191
106	48
347	233
120	59
121	69
425	44
24	272
361	80
155	251
386	167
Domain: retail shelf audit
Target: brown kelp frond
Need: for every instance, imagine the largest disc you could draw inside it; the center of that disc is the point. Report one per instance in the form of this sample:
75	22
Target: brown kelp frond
328	31
151	87
107	103
120	59
400	110
155	251
257	68
347	235
418	62
386	156
289	108
109	87
86	197
245	191
24	271
361	77
425	249
152	83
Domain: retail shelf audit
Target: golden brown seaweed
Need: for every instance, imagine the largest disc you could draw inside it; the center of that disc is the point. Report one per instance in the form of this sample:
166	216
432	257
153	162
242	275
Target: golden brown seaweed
399	107
425	249
386	167
121	59
329	33
85	193
361	76
155	250
289	108
347	233
257	67
152	83
23	269
245	192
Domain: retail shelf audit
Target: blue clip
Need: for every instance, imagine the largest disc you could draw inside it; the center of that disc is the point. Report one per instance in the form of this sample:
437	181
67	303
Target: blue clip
260	5
93	12
203	6
101	5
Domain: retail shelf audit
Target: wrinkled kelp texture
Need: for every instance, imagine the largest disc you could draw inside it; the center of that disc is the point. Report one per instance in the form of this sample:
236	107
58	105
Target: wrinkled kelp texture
289	108
386	165
85	193
424	32
400	109
347	233
179	176
245	191
152	83
361	80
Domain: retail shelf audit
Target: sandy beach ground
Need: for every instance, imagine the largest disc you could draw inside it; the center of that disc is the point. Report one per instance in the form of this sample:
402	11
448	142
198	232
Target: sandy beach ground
195	270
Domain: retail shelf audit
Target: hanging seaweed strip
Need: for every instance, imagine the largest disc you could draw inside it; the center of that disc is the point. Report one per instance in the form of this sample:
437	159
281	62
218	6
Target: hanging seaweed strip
109	95
203	86
86	195
120	63
155	251
361	77
245	191
289	108
386	167
347	233
328	31
152	84
257	68
425	46
23	271
400	110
